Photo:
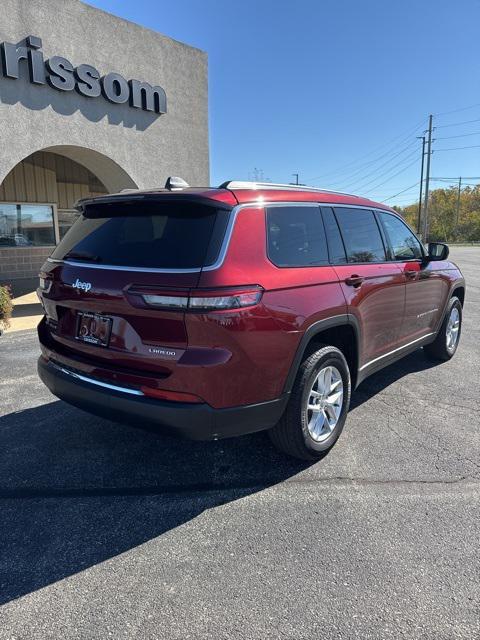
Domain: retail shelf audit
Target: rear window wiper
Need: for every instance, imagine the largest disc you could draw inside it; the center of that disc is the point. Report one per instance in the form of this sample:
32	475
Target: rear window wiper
81	255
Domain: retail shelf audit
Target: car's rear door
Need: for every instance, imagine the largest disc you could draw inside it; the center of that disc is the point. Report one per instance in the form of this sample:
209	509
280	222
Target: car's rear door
374	287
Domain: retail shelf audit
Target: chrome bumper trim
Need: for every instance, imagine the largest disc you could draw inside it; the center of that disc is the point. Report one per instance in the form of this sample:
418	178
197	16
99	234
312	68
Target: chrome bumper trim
98	383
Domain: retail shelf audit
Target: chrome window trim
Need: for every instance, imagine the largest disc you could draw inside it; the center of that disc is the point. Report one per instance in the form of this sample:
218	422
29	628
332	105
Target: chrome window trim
267	203
226	238
385	355
106	385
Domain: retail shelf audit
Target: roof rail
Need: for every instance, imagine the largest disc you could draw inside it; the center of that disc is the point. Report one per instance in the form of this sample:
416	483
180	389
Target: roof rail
241	184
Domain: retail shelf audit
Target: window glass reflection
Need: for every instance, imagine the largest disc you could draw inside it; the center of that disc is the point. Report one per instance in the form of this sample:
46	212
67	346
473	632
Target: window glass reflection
26	225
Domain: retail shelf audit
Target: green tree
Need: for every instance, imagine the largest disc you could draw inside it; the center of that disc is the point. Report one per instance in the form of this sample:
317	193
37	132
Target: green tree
442	214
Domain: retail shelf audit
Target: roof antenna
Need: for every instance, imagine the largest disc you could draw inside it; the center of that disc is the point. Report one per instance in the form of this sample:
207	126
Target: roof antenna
174	183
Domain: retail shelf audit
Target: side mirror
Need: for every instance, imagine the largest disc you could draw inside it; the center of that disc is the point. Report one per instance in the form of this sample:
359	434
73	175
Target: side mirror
438	251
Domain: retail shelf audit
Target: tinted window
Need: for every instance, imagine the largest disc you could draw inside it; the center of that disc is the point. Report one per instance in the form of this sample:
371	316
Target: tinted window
404	244
156	235
296	237
361	235
336	249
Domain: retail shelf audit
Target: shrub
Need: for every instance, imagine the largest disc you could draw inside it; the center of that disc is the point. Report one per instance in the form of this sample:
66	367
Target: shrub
6	307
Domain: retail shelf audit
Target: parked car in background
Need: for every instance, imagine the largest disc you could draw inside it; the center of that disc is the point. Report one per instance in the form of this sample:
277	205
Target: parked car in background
14	240
219	312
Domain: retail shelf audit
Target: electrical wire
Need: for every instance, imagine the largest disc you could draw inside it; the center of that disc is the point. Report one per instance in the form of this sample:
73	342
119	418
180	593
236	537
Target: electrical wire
349	184
403	191
391	177
461	135
381	175
455	182
472	146
455	124
452	181
445	113
382	146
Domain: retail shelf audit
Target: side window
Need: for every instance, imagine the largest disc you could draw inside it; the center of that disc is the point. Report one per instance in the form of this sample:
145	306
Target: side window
404	244
361	235
296	237
336	249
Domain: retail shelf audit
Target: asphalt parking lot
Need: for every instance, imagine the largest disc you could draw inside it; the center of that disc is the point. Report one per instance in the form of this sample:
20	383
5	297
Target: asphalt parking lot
110	531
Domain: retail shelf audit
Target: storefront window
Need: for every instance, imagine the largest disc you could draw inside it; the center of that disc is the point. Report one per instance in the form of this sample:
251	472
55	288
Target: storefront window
26	225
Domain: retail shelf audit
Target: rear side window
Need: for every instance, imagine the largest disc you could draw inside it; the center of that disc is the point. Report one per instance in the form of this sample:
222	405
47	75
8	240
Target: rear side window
405	245
154	235
361	235
336	249
296	237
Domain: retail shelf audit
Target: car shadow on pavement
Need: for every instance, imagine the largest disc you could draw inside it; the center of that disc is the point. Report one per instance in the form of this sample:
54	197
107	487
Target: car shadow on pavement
413	363
77	490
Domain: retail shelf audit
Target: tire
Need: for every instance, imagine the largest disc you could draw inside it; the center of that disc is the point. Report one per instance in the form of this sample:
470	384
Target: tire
440	348
293	433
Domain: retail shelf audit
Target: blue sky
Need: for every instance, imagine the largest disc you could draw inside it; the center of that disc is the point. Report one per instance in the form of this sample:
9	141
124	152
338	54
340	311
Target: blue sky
335	90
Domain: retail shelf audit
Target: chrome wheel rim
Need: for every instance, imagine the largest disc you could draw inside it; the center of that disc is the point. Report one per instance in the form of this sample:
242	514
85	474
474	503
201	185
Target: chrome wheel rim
324	404
453	328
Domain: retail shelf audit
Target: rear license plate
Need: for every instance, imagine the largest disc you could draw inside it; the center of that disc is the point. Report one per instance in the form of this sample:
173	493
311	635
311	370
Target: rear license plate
94	329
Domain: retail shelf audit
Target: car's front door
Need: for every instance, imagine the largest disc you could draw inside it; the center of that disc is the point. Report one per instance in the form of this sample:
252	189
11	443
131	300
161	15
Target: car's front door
373	286
426	289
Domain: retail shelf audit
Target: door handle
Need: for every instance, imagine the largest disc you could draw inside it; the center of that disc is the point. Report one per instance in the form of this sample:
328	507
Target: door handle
410	274
354	281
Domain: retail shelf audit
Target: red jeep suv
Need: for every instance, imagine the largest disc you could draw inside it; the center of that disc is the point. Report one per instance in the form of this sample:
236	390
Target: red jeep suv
219	312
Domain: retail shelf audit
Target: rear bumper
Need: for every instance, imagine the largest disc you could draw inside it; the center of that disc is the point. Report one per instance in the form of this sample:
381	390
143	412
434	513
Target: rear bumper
195	421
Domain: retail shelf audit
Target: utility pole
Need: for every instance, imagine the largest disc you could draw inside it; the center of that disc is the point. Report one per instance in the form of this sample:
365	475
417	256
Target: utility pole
427	180
297	183
458	201
422	138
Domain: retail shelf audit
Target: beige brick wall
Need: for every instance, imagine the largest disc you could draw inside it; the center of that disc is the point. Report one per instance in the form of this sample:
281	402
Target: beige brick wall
21	262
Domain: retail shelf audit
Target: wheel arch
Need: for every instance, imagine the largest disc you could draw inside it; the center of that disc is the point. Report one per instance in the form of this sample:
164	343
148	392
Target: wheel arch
340	331
459	292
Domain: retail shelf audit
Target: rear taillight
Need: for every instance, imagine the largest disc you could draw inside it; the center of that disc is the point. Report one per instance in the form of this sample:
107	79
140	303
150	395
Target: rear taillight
206	300
166	302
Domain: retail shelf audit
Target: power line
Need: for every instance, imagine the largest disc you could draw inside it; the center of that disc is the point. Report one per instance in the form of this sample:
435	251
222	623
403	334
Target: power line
403	191
381	175
445	113
456	178
473	146
391	177
349	184
382	146
456	124
461	135
448	180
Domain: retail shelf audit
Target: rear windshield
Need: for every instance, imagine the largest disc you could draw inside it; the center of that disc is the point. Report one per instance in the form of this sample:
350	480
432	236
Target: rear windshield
155	235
